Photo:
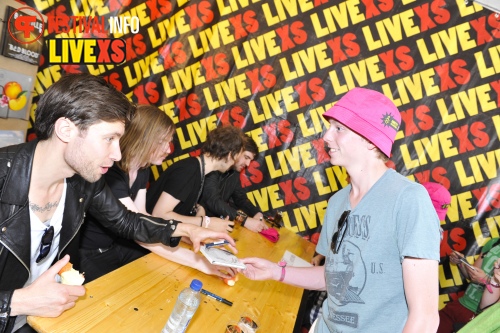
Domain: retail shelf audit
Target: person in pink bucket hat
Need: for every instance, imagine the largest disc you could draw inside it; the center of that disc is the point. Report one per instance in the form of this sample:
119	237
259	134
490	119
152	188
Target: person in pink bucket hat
380	233
440	197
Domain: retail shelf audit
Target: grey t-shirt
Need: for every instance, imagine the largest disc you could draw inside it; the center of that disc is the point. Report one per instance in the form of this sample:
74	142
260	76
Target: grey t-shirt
395	219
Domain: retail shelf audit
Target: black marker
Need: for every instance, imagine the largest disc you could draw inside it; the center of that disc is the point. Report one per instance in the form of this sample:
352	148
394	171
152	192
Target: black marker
218	298
217	243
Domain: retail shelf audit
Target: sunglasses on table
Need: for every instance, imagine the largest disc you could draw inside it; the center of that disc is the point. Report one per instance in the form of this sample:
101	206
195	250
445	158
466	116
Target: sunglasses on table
47	238
338	237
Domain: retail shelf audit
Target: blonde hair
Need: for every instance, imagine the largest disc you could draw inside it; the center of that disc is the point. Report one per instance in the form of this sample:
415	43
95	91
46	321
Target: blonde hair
143	136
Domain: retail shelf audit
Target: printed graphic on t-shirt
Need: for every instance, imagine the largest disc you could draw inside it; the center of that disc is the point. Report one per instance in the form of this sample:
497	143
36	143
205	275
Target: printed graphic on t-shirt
346	282
346	273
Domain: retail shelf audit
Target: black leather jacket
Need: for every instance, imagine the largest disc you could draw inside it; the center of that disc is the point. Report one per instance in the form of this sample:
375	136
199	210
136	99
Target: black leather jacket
81	196
223	195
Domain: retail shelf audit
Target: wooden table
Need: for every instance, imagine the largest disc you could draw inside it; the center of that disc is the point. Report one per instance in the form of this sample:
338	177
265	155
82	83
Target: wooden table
139	297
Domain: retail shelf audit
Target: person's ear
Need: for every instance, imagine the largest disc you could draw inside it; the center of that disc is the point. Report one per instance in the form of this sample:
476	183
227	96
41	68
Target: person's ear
64	129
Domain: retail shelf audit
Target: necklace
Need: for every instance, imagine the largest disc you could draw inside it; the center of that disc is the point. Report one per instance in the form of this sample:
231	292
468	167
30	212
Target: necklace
202	165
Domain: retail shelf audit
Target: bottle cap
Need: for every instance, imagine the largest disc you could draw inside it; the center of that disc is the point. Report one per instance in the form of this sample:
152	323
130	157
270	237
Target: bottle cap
196	285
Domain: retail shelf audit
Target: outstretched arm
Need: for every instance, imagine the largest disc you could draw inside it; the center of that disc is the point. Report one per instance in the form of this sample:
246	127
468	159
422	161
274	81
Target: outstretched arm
178	254
187	257
312	278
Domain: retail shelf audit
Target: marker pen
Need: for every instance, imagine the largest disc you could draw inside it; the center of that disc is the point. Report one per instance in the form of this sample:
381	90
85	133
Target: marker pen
217	243
218	298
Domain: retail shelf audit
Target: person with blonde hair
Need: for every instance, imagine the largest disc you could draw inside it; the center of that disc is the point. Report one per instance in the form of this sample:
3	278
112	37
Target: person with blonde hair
48	185
146	142
380	234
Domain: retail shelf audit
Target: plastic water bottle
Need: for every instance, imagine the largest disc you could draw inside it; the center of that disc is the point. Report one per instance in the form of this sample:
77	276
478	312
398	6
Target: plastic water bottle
184	309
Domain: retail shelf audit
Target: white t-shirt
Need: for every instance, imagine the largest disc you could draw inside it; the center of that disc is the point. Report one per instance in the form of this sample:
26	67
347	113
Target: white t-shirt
37	230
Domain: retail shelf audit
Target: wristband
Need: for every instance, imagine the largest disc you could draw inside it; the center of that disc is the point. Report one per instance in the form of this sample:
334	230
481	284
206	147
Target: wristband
207	221
282	264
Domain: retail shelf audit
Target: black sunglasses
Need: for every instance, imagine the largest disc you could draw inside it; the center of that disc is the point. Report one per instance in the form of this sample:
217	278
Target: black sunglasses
47	238
341	228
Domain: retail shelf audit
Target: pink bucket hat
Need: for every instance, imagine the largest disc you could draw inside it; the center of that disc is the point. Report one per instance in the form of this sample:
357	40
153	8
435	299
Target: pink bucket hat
440	198
370	114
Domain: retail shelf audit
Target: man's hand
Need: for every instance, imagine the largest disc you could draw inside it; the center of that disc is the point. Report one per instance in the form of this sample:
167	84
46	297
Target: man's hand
198	235
255	225
45	297
220	271
220	225
259	216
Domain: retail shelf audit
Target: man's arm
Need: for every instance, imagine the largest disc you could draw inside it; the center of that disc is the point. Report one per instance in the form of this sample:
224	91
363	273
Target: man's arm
188	258
213	200
45	297
420	278
240	198
211	197
164	208
113	215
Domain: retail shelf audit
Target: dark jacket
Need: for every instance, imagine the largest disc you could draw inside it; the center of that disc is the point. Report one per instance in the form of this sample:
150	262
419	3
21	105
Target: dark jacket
223	195
81	196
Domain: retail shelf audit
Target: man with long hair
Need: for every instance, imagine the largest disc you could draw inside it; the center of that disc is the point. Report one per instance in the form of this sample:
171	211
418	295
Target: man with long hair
46	188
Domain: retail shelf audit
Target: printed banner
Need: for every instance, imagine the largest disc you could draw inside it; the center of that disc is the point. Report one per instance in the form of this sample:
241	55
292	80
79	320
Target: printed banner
274	67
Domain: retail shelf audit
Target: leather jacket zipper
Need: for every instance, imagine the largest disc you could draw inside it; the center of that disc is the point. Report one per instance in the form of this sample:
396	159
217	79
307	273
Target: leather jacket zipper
72	237
151	221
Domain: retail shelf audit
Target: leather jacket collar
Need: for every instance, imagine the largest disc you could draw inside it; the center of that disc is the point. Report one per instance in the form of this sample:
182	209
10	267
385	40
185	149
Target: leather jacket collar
18	179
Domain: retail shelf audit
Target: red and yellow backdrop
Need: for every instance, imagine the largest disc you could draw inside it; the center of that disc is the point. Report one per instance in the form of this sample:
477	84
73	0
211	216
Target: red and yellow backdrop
273	67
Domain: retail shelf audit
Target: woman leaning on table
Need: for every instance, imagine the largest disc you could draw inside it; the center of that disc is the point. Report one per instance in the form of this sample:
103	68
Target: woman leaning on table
146	142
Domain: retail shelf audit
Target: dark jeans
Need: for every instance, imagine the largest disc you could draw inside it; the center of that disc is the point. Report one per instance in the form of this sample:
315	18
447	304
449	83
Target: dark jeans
95	264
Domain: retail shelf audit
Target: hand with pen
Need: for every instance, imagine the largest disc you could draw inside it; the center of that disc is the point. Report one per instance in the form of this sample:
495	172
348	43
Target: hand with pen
223	272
